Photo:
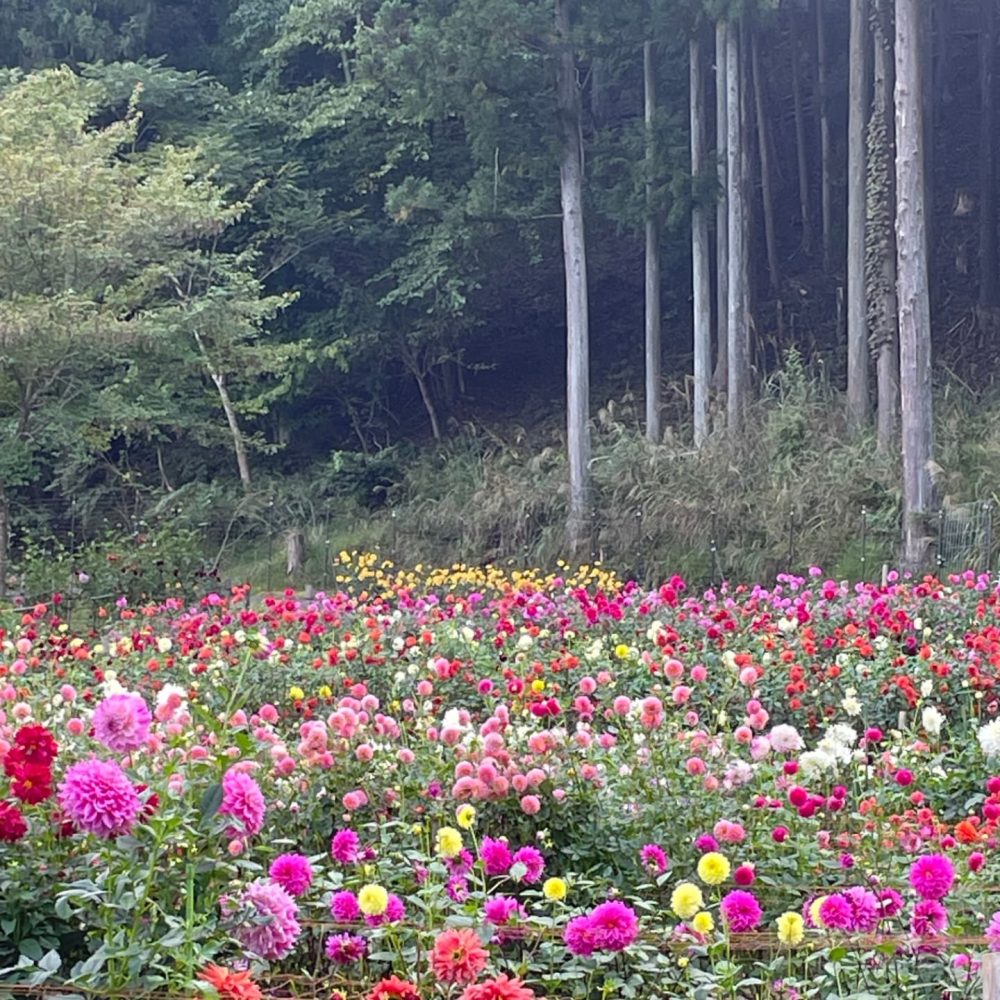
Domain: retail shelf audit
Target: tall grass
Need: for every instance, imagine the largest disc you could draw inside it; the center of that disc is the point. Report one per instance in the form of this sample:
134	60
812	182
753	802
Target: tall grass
788	492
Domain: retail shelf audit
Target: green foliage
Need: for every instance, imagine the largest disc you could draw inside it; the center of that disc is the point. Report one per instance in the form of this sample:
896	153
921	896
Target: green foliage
119	301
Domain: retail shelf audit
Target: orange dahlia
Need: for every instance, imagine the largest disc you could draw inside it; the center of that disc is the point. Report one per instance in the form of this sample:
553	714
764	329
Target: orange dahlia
230	985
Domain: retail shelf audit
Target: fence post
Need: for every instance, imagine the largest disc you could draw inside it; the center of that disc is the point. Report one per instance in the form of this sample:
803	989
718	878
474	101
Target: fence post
988	538
713	549
864	543
991	976
940	541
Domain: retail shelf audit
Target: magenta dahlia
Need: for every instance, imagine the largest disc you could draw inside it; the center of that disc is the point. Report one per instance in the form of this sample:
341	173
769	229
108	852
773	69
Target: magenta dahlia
292	872
97	796
741	911
932	876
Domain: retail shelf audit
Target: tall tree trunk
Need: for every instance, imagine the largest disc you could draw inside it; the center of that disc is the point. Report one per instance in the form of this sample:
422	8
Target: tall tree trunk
912	284
701	279
738	320
857	326
880	237
575	265
721	375
652	250
801	149
822	100
988	288
764	153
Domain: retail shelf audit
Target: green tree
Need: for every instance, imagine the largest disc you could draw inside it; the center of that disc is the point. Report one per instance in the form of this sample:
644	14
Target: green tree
114	279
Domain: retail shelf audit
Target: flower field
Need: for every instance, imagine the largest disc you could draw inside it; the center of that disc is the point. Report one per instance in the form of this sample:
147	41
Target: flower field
480	785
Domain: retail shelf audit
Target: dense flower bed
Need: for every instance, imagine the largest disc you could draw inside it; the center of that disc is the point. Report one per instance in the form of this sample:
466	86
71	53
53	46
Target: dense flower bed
467	784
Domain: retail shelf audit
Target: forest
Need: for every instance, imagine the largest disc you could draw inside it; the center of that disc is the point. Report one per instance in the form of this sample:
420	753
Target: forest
684	285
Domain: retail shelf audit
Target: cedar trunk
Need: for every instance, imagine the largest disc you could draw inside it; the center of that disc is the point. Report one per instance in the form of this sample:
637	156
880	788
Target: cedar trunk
721	375
737	323
912	288
652	251
575	265
701	279
857	326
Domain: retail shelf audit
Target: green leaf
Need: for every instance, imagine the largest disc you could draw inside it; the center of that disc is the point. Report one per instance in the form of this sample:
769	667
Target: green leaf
211	801
30	948
50	961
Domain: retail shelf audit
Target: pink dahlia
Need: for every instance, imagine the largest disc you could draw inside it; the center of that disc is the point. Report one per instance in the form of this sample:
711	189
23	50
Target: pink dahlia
654	858
993	932
932	876
121	722
505	913
495	856
613	926
242	799
97	796
345	847
890	903
292	872
272	927
346	949
741	911
501	910
578	936
836	912
344	907
929	918
864	909
500	988
533	862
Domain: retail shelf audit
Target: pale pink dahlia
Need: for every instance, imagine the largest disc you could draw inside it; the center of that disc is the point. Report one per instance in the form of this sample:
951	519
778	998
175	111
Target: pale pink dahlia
242	799
97	796
121	722
271	927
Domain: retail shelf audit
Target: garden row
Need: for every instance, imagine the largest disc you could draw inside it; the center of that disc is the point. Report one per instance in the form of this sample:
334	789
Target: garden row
472	784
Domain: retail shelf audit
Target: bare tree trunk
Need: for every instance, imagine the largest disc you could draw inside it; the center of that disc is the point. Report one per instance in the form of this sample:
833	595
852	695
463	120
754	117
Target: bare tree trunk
858	404
880	238
801	149
575	264
721	375
652	251
912	283
764	152
428	401
239	445
824	134
701	279
738	319
988	289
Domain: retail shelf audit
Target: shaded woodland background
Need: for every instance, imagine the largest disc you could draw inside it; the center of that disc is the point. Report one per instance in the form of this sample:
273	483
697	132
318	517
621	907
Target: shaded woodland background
400	162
